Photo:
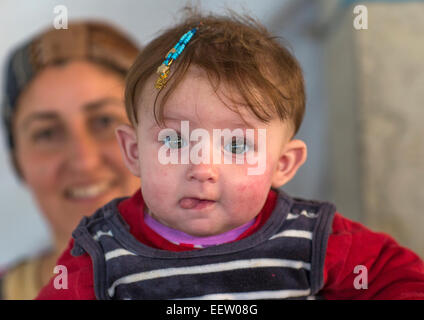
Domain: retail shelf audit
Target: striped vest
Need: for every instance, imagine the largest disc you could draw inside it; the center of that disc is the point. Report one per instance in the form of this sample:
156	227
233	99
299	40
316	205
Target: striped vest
284	259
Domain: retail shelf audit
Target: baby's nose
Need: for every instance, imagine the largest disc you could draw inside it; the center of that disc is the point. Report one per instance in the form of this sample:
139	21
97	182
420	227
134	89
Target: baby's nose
203	172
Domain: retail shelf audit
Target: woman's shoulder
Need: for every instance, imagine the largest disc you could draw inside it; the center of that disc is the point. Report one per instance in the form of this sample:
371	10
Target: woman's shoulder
22	281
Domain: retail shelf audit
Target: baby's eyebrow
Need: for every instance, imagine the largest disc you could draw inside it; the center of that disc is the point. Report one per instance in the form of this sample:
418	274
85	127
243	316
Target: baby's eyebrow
227	123
162	124
175	119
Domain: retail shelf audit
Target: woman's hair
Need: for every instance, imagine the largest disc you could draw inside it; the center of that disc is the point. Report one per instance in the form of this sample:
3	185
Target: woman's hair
235	50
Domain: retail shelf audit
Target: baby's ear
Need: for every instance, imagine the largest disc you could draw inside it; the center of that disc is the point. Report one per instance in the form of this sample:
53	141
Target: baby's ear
127	140
292	157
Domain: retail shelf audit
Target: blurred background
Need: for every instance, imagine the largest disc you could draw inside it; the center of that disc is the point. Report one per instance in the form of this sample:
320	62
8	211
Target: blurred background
364	115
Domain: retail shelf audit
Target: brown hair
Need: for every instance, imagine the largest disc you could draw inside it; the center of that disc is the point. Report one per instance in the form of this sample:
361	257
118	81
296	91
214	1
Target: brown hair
235	49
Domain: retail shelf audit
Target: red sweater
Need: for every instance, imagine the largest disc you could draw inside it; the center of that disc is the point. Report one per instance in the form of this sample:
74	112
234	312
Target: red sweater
393	272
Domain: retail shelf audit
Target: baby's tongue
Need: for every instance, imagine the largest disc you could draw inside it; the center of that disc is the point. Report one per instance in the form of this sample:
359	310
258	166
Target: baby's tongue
189	203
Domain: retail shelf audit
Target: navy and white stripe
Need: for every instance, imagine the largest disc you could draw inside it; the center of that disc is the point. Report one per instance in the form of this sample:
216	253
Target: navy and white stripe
283	260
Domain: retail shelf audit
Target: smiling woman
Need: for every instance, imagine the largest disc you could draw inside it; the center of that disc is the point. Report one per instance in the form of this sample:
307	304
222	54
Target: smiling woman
60	115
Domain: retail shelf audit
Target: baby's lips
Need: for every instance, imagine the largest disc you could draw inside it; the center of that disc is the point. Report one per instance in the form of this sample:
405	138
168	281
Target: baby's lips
189	203
195	203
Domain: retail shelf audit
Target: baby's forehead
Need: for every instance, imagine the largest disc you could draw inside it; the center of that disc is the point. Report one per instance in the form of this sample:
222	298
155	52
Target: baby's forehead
204	106
196	95
212	114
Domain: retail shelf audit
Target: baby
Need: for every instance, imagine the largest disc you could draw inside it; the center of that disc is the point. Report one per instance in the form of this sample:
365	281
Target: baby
215	103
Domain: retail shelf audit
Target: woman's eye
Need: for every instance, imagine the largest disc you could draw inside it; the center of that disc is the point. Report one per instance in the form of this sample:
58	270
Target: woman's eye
46	135
174	142
102	122
237	146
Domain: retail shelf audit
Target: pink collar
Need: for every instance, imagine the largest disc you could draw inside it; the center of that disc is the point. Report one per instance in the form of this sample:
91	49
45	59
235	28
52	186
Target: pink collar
180	238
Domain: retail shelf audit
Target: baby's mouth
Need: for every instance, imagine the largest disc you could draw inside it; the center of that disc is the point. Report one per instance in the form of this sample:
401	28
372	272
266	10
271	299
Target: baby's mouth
196	203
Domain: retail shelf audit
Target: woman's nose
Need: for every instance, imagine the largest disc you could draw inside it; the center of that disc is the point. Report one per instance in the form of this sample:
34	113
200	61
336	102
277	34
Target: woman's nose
84	153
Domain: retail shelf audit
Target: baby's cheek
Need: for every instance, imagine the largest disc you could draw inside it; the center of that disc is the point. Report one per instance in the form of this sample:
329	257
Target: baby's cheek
252	193
256	184
255	189
156	184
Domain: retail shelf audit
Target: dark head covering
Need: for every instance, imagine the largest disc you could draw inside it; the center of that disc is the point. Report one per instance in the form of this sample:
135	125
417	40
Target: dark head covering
93	41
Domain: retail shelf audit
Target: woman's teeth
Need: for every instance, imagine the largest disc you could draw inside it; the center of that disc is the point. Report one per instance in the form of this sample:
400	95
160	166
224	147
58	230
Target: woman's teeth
90	191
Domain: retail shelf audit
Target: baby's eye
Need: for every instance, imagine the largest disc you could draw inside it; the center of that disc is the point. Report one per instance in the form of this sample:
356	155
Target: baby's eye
174	142
238	146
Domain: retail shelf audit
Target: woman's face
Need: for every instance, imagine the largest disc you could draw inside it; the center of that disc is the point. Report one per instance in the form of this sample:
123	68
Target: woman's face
65	142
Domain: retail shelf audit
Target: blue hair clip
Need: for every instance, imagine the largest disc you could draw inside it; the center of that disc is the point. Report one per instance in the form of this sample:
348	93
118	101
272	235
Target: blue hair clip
173	54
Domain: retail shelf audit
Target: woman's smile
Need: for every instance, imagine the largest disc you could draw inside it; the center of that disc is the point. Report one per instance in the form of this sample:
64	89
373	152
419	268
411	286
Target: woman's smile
89	191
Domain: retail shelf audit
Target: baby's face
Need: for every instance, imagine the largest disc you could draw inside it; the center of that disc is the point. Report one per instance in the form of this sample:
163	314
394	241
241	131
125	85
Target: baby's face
204	199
